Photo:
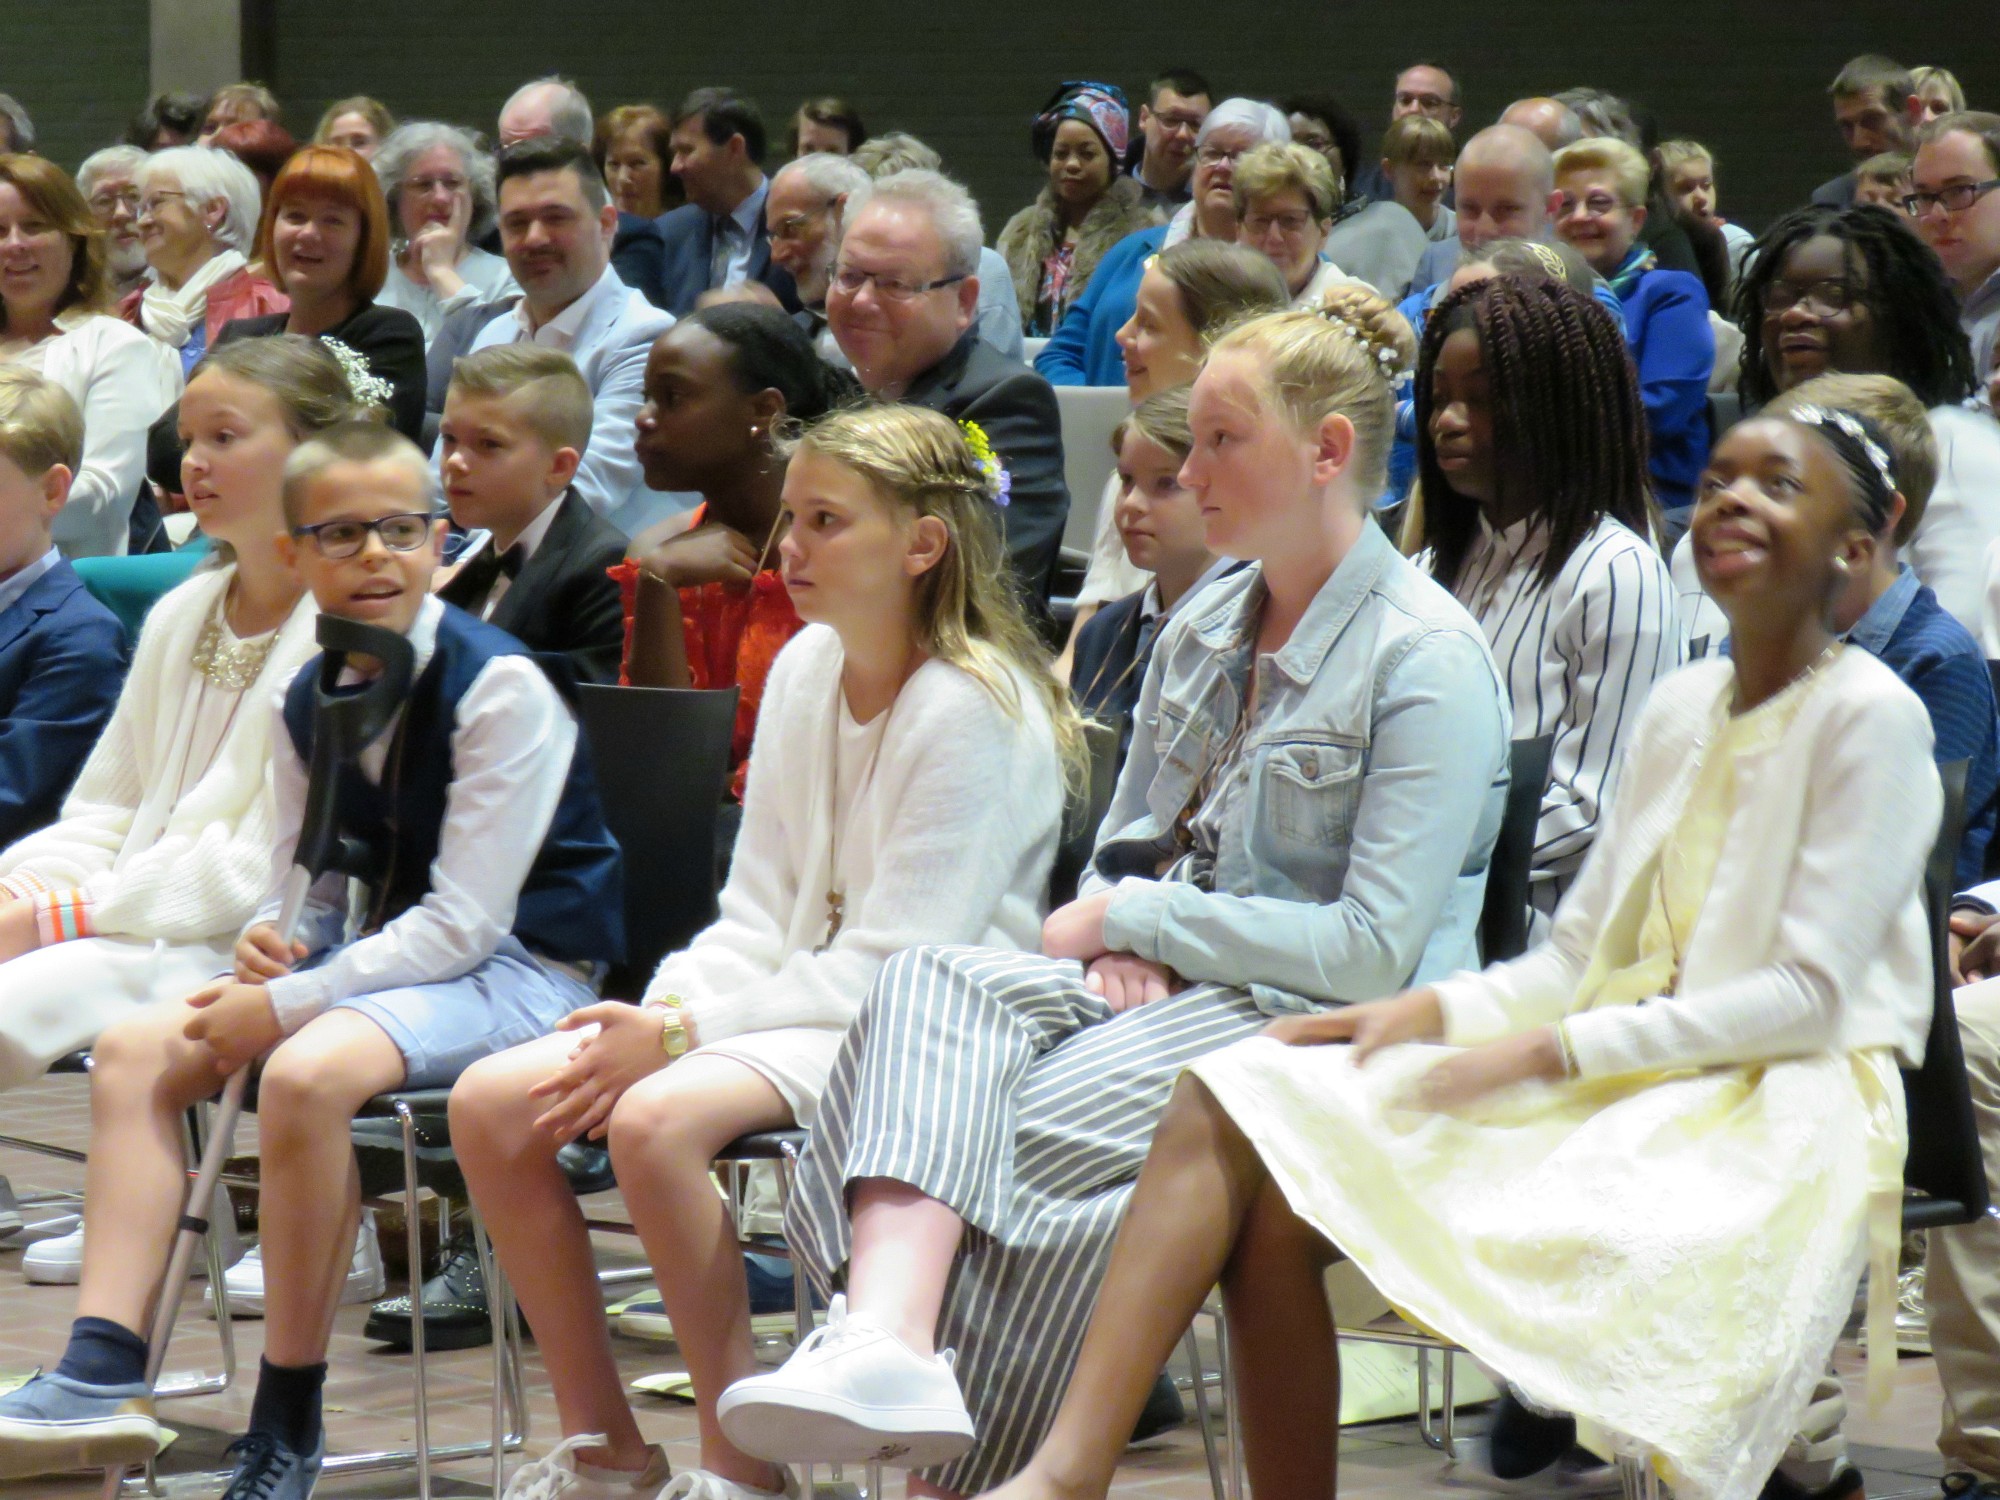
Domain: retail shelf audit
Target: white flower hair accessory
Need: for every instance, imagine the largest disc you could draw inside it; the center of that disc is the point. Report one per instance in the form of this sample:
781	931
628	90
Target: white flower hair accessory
367	388
1388	360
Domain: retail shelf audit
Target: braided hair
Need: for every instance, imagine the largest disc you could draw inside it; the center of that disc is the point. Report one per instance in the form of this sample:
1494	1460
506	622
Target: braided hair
1569	430
1907	296
768	351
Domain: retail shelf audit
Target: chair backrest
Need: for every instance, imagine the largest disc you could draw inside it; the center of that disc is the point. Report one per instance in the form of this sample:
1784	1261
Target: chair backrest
1082	814
1089	413
1993	672
1503	921
662	762
1944	1161
1031	349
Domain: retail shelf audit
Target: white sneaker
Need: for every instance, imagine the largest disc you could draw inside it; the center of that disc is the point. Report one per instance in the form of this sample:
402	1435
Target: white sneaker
58	1261
699	1484
558	1476
852	1393
365	1278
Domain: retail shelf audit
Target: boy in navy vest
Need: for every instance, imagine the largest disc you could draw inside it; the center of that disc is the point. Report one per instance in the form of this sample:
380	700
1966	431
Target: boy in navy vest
495	901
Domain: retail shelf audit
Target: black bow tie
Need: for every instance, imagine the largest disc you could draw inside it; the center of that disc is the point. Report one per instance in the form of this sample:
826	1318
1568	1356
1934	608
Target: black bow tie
489	568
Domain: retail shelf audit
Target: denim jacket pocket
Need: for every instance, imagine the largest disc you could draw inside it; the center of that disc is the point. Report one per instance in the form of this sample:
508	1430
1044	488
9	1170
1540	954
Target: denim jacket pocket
1311	790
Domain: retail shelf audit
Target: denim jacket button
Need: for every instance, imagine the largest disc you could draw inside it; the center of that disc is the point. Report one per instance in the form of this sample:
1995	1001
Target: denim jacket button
1312	766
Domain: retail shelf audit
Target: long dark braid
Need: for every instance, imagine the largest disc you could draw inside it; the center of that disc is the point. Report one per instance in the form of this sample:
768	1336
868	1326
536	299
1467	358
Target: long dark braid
1569	431
1908	297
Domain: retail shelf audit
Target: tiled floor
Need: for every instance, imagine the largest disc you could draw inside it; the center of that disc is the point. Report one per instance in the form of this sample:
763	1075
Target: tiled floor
369	1398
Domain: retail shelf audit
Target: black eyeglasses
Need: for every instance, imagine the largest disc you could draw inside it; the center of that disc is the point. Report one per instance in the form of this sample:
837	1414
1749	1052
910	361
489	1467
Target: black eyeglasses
339	540
1956	199
850	281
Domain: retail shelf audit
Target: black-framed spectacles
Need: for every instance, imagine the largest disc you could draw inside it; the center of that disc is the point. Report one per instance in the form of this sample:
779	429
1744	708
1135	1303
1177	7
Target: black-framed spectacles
339	540
1955	199
850	281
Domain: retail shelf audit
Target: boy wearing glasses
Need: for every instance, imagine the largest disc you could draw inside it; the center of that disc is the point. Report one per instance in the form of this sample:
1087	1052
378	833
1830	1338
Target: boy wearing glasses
1955	199
495	902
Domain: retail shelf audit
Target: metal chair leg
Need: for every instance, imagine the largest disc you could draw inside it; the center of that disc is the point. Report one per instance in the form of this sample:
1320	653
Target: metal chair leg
1193	1347
413	1230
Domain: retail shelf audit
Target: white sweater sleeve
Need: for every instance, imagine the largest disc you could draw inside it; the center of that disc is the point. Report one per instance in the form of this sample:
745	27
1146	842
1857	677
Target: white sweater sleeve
126	382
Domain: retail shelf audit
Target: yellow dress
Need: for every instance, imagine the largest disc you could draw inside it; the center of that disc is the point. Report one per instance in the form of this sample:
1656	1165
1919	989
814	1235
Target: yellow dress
1670	1257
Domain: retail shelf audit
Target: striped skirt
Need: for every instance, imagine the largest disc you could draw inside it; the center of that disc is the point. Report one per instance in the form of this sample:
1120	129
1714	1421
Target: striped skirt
997	1084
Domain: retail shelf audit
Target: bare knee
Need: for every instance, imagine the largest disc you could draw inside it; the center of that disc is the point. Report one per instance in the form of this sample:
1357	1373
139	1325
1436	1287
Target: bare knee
302	1089
147	1054
491	1110
658	1124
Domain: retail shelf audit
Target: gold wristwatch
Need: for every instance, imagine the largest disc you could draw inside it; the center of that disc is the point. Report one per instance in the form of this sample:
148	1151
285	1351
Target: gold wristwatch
673	1034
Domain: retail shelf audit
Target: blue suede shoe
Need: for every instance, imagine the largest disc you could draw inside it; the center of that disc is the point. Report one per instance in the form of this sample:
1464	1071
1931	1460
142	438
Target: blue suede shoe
53	1425
267	1470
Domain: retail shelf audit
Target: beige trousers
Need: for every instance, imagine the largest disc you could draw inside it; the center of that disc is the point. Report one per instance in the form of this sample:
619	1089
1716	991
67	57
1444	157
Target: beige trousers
1962	1276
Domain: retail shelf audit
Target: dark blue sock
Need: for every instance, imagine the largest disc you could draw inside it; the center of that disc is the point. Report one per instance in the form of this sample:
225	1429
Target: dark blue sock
102	1352
287	1403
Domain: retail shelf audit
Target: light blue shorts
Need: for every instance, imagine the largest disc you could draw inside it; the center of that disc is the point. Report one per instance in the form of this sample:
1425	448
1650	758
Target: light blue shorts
444	1028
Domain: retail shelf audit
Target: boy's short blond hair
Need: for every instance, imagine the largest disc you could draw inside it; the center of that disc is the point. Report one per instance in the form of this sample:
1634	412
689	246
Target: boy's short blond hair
1888	169
1893	407
354	443
555	400
1675	154
40	426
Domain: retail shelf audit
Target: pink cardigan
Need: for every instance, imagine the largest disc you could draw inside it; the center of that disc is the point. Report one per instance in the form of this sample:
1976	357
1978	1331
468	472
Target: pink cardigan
242	295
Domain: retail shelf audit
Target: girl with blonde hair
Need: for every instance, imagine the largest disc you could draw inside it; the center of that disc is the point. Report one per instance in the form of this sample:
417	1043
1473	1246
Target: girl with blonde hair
1303	820
905	785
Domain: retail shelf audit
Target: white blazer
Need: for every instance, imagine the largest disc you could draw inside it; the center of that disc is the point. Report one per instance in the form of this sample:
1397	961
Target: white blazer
1813	938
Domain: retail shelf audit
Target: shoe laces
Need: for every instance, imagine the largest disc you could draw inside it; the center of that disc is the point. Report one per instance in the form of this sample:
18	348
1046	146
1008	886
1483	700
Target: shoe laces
700	1484
260	1464
838	1329
548	1477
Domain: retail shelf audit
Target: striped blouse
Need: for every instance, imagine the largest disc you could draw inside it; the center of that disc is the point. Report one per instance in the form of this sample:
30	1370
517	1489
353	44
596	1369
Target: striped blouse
1578	657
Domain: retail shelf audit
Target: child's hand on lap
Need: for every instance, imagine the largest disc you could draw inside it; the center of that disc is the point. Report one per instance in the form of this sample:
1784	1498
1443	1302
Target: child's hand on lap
261	955
1126	981
625	1048
1489	1068
1077	930
17	929
236	1021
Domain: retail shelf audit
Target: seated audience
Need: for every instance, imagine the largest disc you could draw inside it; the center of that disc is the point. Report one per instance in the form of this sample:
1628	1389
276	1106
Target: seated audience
1369	238
138	892
1505	187
260	145
632	148
1550	121
57	320
1854	291
1732	982
515	424
717	238
1876	107
62	654
1417	158
1690	173
905	287
917	677
1541	529
1937	92
999	320
1161	160
198	215
1884	181
556	225
1287	201
1084	351
500	893
1601	188
710	608
359	123
109	182
235	104
1887	612
439	187
1424	89
17	130
169	119
1958	214
1165	540
1299	873
804	216
826	124
1053	246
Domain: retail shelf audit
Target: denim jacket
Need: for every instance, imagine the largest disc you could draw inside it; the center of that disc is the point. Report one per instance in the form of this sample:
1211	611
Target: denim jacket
1375	774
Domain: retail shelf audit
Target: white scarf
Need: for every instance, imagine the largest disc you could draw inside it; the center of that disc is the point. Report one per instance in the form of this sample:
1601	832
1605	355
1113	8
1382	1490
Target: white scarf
171	317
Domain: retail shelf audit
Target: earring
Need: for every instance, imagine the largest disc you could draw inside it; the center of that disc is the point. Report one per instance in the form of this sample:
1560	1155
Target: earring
1840	566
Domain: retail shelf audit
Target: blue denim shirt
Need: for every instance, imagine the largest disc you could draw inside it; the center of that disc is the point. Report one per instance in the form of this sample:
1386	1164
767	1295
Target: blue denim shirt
1374	771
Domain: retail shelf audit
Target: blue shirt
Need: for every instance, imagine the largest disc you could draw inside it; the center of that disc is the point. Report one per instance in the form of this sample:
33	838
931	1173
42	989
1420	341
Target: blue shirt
1938	660
11	589
736	237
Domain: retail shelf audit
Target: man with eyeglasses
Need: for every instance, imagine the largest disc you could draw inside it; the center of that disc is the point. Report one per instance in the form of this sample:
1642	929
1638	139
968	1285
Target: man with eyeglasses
904	296
1423	88
109	182
1177	102
1955	199
803	215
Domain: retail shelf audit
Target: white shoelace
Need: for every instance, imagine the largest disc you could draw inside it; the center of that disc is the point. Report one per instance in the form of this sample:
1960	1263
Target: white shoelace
547	1477
840	1329
699	1484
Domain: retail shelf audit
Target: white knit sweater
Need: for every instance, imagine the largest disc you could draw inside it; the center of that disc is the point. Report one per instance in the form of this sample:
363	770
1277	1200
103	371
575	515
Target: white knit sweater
146	865
957	825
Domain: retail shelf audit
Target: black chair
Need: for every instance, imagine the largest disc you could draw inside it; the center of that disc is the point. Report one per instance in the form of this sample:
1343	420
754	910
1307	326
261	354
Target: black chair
1083	814
1503	921
662	762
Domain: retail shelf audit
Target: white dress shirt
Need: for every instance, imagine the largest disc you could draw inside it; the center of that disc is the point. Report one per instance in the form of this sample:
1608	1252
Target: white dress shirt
526	545
511	743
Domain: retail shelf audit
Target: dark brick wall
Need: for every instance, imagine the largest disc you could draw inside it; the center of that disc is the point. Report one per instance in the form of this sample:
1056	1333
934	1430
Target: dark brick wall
78	65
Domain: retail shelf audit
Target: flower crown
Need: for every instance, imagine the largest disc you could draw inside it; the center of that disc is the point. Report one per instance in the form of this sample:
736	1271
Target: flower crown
363	384
988	462
1388	359
1822	416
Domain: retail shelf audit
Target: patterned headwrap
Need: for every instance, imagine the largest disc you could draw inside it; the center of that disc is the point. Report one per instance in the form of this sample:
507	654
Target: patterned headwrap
1101	106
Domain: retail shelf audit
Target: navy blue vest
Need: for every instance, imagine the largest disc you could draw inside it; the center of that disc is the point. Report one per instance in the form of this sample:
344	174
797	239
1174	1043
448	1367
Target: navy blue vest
572	905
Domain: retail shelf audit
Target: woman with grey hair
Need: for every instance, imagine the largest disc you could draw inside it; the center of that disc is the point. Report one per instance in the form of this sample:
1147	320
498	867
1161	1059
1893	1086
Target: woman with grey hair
198	211
439	184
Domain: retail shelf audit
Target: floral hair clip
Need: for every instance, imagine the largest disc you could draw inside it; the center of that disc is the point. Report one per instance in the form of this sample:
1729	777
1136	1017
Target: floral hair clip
988	462
1851	427
367	388
1387	360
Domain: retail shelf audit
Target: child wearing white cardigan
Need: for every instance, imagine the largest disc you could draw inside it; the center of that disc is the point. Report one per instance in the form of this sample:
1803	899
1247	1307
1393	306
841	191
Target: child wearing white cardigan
905	786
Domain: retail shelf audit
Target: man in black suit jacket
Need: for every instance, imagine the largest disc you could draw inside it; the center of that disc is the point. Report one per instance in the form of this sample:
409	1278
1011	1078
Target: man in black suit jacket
718	237
907	328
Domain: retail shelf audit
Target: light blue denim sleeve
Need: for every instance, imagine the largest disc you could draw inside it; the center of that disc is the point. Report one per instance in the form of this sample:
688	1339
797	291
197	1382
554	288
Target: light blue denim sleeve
1438	747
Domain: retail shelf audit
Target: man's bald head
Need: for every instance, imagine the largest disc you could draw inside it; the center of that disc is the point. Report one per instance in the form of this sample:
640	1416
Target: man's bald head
1506	181
1550	121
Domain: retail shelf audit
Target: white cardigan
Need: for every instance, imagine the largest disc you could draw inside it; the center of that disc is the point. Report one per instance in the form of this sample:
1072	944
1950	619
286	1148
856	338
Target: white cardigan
960	819
151	867
1963	516
1813	937
121	380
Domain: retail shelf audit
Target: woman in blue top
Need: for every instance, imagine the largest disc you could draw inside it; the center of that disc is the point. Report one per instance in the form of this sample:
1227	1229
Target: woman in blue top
1601	208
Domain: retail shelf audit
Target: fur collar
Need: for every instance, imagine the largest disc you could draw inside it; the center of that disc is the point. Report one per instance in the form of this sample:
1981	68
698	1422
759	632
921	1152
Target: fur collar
1032	234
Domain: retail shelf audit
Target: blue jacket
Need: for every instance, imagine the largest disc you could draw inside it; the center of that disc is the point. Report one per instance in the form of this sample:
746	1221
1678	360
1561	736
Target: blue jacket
1666	323
688	252
62	660
1084	349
